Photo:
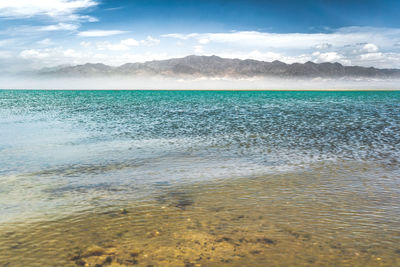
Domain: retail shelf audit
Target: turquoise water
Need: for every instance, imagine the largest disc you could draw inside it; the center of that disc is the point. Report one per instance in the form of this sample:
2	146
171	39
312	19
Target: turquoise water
67	151
199	178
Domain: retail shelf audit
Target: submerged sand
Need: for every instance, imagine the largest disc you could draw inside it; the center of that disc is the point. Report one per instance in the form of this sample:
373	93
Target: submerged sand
279	220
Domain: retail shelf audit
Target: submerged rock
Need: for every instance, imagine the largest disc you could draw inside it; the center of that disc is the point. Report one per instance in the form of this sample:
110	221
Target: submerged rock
181	200
80	262
266	240
93	251
183	203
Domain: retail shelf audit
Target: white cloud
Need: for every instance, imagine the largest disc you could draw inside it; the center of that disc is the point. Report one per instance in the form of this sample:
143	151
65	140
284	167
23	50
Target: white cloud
72	53
327	57
330	57
378	59
89	18
111	47
122	45
57	9
371	56
126	44
59	27
204	41
100	33
149	41
323	46
370	48
129	42
33	54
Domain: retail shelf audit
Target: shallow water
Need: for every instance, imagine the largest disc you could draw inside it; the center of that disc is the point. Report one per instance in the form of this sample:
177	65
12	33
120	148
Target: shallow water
207	178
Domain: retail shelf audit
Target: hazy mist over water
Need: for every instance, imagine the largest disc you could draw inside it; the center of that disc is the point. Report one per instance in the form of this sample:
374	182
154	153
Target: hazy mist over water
205	83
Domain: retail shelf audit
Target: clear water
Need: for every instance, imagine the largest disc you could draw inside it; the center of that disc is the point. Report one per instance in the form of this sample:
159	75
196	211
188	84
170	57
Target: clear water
330	155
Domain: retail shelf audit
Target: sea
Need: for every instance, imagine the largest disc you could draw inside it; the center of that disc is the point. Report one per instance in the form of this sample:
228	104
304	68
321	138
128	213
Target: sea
199	178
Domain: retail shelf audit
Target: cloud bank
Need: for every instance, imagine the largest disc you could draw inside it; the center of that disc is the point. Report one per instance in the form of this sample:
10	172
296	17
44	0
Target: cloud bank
364	46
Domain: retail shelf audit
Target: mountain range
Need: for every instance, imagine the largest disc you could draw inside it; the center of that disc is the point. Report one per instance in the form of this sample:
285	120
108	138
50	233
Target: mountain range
214	66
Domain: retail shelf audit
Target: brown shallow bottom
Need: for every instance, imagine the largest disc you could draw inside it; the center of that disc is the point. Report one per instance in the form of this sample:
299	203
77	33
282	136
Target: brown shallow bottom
310	218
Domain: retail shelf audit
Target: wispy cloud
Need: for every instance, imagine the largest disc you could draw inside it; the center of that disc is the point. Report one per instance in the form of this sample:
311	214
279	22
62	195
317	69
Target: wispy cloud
100	33
58	27
113	8
56	9
45	42
28	31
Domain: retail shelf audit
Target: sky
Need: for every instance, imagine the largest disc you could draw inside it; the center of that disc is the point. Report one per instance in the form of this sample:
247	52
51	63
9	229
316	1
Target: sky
48	33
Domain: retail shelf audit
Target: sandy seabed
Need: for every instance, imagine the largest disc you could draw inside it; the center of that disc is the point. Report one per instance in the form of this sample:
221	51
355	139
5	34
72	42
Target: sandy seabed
279	220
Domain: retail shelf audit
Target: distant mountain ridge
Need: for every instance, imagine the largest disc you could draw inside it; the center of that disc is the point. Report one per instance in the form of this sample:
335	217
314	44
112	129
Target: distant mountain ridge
214	66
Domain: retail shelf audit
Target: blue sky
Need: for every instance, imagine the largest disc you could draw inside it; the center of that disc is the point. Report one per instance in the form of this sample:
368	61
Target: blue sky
47	33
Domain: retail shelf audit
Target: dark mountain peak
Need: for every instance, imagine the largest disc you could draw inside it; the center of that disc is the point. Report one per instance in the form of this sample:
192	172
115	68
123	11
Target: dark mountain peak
197	57
310	63
330	64
190	57
215	57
